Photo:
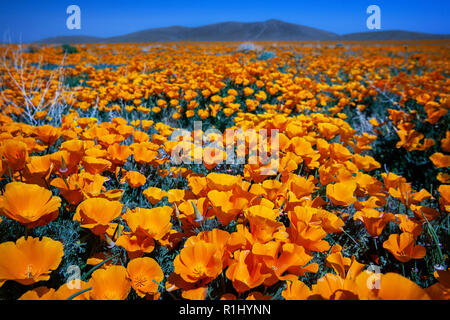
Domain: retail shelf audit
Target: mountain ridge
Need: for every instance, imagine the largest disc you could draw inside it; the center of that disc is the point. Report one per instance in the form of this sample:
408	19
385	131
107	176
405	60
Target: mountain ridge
270	30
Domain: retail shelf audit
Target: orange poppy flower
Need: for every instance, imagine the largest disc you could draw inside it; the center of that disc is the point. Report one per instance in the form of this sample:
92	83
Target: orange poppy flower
39	293
391	286
245	271
198	185
222	181
154	195
305	231
14	155
339	287
373	220
96	151
77	187
136	246
445	143
296	290
143	273
189	290
217	237
29	204
64	163
198	263
333	287
341	193
191	213
111	283
140	136
95	165
38	170
177	195
47	134
143	154
302	187
403	248
118	153
97	213
265	229
226	206
411	225
286	258
135	179
154	223
421	211
440	160
29	260
339	263
75	148
440	290
444	201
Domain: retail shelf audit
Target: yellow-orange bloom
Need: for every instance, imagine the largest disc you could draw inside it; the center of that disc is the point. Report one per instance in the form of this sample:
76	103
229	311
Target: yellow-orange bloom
440	160
246	271
135	179
39	293
154	195
110	283
403	248
29	204
341	193
154	223
29	260
95	165
296	290
200	262
143	273
47	134
14	154
97	213
373	220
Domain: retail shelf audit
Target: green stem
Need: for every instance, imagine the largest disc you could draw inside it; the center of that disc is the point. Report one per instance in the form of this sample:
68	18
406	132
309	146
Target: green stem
375	242
435	238
98	266
78	293
348	235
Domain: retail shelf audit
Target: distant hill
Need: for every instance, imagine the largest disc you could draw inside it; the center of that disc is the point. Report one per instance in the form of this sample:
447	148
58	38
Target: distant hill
392	35
270	30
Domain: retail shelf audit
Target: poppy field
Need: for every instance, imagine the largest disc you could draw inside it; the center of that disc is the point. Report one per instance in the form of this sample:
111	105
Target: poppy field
102	199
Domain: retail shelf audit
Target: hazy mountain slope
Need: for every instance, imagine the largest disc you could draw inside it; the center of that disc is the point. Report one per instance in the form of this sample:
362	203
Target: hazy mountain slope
392	35
271	30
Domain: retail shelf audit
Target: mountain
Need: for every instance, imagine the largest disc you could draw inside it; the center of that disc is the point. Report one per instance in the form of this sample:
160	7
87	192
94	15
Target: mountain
392	35
270	30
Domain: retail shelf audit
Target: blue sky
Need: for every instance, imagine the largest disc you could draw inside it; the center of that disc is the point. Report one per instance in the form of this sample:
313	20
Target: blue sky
27	20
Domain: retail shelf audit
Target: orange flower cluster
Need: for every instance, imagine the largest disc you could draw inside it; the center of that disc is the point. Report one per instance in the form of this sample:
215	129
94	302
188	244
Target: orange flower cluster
309	223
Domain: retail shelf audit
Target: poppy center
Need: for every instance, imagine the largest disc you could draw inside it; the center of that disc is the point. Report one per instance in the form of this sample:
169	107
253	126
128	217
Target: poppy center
140	281
29	214
199	270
